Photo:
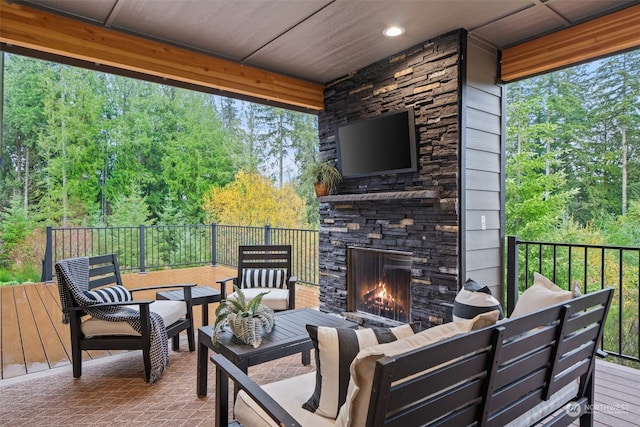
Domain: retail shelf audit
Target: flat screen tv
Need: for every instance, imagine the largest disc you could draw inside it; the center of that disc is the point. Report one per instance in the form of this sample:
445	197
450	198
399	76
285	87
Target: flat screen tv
383	144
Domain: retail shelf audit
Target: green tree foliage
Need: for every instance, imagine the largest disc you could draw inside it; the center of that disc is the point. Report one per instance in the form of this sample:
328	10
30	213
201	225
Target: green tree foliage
536	203
284	136
14	227
88	148
25	90
537	192
617	111
573	135
130	210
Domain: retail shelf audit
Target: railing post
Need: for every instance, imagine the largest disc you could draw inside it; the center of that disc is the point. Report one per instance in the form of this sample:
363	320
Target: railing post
142	259
267	234
214	244
47	263
512	273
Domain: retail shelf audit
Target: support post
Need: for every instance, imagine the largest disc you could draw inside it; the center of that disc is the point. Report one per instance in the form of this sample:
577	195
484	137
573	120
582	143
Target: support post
142	258
47	263
214	244
267	234
512	273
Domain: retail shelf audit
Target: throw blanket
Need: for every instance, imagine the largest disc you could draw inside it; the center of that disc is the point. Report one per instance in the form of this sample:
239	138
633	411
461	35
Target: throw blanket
73	275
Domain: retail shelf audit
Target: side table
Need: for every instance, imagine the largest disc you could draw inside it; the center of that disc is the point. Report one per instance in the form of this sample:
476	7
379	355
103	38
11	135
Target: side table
200	295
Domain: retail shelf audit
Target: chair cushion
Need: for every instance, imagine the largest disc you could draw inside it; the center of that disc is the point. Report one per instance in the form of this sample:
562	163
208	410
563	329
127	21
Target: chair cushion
542	294
474	299
335	349
290	393
116	293
170	311
263	278
276	299
354	411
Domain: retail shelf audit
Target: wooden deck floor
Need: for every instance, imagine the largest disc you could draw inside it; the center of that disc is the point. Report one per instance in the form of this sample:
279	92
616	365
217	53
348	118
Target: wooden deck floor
33	338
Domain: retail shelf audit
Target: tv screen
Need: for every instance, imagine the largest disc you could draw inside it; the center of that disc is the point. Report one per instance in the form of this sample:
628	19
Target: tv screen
380	145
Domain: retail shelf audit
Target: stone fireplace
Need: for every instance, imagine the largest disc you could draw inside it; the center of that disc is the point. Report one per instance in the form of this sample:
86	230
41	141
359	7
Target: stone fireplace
415	214
379	283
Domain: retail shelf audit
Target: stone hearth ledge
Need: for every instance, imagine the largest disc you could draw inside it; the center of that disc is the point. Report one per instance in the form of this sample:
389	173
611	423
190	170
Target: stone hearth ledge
386	195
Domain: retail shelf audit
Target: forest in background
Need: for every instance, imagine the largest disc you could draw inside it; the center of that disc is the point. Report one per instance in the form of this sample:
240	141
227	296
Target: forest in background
82	148
572	154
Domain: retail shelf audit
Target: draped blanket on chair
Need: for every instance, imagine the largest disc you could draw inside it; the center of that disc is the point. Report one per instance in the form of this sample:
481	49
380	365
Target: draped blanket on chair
73	275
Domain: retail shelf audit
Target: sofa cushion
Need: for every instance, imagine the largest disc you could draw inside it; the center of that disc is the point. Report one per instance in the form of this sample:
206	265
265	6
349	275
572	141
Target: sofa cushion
263	278
547	407
354	411
170	311
335	349
543	293
474	299
276	299
290	393
116	293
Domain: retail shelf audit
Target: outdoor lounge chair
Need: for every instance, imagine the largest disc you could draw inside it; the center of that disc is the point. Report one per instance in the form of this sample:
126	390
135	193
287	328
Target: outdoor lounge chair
265	268
103	315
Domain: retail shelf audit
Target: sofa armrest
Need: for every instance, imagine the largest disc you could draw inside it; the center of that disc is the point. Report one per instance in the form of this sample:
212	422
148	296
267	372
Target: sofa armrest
225	371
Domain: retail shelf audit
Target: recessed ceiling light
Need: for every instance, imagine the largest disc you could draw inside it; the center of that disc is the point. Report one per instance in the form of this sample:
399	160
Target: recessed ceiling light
393	31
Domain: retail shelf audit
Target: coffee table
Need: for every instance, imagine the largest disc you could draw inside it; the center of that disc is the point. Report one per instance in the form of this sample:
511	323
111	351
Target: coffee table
289	336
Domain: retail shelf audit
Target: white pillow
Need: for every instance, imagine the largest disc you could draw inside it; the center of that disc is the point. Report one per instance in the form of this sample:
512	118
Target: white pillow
543	293
474	299
111	294
335	349
263	278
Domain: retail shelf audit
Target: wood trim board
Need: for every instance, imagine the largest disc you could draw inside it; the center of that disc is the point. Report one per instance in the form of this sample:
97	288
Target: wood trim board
33	29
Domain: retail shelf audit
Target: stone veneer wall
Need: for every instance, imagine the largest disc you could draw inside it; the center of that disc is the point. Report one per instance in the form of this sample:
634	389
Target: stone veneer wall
428	78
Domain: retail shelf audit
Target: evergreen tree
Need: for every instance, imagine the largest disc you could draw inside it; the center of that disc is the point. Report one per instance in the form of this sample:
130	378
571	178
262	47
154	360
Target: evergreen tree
618	111
14	227
25	88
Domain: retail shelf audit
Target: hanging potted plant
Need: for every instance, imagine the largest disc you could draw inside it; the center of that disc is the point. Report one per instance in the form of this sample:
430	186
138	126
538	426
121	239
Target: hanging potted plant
325	177
247	320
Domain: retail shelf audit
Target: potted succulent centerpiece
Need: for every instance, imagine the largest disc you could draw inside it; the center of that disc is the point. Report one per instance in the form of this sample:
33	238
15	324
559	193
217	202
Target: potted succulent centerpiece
248	320
325	177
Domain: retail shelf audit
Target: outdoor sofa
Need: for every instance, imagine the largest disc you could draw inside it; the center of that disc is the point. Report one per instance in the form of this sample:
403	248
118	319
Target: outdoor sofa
515	372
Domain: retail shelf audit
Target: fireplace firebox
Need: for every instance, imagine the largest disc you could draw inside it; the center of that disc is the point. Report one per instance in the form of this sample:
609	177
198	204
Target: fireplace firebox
379	283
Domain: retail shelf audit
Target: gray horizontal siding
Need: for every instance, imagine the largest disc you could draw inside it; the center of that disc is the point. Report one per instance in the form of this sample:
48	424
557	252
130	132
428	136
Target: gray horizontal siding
483	168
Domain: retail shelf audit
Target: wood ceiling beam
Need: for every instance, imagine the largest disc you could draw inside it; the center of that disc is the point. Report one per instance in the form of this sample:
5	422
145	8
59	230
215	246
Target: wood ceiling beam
33	29
593	39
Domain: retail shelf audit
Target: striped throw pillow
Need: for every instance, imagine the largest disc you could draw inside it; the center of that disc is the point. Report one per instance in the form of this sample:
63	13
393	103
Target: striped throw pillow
335	349
111	294
474	299
263	278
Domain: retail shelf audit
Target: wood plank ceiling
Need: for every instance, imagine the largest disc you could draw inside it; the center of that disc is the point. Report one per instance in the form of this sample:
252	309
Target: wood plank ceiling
283	52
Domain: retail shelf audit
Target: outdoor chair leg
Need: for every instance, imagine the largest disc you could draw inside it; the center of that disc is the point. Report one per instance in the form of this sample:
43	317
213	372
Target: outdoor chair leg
76	356
146	356
190	338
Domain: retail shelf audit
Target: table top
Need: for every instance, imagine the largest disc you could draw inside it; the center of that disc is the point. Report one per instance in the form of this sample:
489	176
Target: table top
289	330
199	295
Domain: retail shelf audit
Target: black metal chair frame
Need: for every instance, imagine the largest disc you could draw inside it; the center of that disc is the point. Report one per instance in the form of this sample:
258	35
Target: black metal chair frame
104	271
264	256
